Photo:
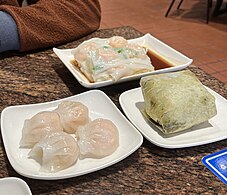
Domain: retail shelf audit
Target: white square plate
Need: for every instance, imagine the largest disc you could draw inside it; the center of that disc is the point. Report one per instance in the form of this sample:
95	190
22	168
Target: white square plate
148	41
14	185
214	130
99	105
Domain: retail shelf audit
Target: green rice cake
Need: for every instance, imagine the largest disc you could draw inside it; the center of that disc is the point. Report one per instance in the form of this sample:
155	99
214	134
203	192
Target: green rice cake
177	100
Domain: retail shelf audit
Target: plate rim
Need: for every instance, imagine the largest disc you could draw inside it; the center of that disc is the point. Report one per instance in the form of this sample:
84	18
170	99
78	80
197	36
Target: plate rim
17	180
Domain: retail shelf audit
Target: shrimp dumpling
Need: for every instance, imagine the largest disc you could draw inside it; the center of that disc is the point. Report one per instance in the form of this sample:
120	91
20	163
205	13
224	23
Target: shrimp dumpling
98	138
55	152
38	126
72	115
117	42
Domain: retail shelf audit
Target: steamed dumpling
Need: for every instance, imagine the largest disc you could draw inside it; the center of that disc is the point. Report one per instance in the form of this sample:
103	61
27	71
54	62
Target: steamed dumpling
38	126
117	41
72	115
99	138
55	152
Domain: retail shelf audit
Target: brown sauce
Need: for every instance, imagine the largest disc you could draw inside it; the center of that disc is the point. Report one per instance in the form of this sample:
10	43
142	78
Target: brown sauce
76	66
158	61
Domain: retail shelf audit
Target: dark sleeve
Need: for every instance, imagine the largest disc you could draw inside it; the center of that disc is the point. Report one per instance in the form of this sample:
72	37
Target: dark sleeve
51	22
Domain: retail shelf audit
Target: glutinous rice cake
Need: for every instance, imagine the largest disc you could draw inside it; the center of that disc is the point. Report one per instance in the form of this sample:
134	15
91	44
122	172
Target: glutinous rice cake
177	100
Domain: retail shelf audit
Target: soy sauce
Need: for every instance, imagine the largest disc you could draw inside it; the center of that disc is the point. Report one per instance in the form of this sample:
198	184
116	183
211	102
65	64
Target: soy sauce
158	61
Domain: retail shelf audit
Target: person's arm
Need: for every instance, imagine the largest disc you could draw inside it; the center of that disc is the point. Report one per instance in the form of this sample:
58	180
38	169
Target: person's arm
11	2
51	22
9	39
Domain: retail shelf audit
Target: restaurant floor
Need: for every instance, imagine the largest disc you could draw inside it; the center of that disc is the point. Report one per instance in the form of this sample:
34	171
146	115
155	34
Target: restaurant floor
184	29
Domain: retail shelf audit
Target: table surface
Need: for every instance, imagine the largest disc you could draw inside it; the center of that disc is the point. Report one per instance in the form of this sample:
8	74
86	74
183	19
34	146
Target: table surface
40	76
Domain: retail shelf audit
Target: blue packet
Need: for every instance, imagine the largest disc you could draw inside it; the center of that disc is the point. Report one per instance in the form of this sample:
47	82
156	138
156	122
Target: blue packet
217	164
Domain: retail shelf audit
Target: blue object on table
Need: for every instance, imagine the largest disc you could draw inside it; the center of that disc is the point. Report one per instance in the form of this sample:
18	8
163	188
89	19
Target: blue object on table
217	164
9	38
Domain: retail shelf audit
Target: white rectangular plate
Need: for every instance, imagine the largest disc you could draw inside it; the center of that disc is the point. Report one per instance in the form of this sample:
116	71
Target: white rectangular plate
99	105
214	130
148	41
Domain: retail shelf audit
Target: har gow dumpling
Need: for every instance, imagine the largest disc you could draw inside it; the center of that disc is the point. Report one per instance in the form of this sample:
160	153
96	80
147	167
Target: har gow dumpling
72	115
55	152
98	138
38	126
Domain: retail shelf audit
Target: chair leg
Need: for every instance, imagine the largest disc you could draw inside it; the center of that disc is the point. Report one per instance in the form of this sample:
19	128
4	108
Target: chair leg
209	3
169	8
178	7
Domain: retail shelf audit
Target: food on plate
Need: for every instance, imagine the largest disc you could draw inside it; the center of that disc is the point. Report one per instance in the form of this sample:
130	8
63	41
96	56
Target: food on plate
38	126
72	115
57	138
55	151
97	139
111	59
177	100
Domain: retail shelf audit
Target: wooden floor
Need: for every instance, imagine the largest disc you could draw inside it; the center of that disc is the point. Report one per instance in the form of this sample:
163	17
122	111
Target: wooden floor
184	29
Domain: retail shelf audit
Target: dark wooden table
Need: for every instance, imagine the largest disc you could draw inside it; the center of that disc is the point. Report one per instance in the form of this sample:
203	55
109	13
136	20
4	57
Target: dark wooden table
40	76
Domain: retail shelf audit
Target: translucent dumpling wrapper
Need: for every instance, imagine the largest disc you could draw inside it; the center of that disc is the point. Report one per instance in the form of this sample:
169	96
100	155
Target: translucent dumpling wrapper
72	115
176	101
111	59
55	152
38	126
98	139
